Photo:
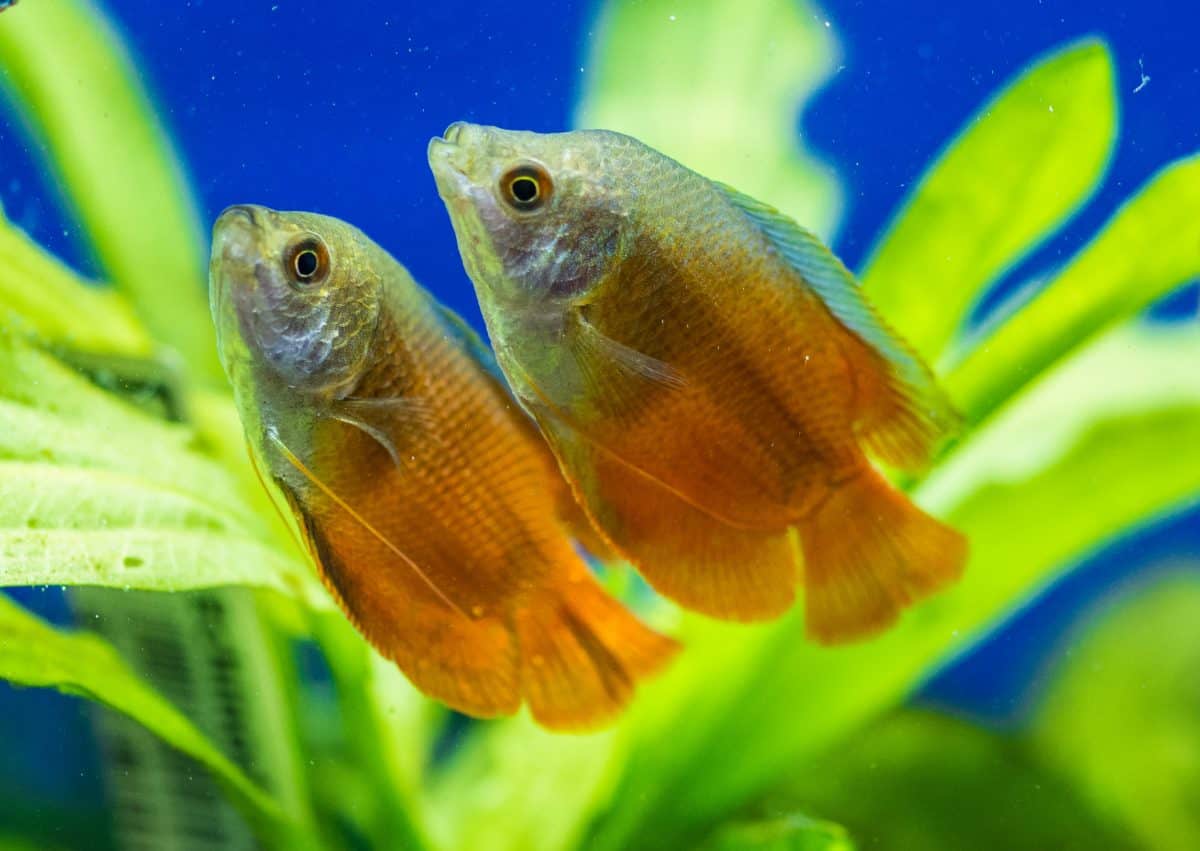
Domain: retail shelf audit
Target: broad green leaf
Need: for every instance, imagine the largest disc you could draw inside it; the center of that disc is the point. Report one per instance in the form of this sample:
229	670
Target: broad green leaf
12	843
538	784
53	302
219	434
1026	161
34	654
383	744
718	84
746	706
1123	720
157	453
67	71
52	414
94	492
61	417
787	833
1150	247
150	560
926	781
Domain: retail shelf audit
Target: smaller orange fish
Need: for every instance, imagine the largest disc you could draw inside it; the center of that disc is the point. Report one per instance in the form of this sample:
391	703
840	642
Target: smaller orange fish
709	375
434	512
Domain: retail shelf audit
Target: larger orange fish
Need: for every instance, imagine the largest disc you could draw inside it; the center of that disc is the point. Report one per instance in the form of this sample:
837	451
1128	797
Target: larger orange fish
426	497
708	374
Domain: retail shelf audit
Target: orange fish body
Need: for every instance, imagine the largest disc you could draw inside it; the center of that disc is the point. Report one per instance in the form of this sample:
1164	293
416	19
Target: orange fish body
436	516
709	376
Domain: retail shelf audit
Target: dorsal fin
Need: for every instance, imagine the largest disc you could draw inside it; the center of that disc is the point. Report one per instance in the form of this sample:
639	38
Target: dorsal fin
924	414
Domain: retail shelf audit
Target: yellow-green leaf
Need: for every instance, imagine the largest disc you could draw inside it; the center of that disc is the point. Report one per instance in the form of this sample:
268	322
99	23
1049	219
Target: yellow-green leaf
785	833
95	492
717	84
68	73
34	654
918	779
1026	161
1150	247
1123	721
53	302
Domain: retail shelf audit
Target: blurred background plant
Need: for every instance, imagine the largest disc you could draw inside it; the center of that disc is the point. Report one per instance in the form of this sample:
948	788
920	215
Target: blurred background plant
240	708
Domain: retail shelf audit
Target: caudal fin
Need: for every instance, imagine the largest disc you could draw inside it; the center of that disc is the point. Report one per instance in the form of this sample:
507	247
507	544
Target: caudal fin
868	553
583	653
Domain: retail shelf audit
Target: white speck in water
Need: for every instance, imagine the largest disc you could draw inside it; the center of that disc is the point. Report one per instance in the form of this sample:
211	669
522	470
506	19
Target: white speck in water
1052	107
671	18
1144	75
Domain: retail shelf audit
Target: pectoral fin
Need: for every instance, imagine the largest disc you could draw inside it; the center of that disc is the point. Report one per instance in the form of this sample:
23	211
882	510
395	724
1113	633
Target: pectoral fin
596	351
384	420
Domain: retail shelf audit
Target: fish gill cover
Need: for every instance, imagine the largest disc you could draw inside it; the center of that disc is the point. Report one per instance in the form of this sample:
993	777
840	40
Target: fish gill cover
1084	425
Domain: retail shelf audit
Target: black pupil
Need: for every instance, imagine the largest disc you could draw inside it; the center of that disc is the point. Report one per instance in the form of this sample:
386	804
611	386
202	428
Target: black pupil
525	189
306	263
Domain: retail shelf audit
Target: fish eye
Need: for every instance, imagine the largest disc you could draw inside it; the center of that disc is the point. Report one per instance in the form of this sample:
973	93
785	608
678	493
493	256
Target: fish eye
307	261
526	187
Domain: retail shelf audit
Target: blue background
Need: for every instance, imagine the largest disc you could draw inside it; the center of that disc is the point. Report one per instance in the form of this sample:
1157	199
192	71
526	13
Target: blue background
328	107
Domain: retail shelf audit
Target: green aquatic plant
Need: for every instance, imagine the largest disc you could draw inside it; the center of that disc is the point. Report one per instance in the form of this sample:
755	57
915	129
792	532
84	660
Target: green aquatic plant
1083	425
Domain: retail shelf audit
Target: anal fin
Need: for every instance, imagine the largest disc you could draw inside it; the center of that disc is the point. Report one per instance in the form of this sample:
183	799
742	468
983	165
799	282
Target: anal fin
470	664
685	553
583	653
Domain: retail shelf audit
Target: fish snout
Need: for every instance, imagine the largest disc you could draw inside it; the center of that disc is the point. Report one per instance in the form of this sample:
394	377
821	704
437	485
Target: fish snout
458	144
448	161
236	211
454	132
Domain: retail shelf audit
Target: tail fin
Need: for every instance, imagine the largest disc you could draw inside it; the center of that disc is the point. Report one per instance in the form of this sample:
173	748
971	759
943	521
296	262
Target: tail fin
868	553
582	653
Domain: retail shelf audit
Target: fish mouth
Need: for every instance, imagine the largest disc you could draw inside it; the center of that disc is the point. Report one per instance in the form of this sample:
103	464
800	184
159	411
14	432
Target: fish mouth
235	235
445	146
445	161
239	211
235	250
